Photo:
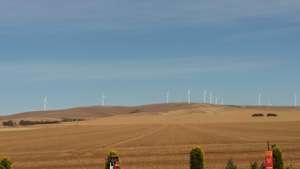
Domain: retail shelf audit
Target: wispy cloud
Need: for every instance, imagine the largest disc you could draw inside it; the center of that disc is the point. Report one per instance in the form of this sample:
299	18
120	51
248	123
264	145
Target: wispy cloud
175	67
123	14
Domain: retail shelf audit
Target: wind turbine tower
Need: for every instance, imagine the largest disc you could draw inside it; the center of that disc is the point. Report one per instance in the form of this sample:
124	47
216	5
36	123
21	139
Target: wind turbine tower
259	99
167	97
295	100
210	98
189	96
45	103
216	100
103	99
204	96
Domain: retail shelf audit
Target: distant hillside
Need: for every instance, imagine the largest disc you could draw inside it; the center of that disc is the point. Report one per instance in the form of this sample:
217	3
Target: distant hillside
97	111
173	110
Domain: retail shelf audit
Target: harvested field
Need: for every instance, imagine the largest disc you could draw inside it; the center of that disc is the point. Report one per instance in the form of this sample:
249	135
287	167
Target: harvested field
161	140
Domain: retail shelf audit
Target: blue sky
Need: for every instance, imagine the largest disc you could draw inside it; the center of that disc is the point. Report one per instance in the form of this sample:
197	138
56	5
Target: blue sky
135	51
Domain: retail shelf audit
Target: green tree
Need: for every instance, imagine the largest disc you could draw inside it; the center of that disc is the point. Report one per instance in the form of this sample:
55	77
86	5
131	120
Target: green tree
254	165
262	166
277	157
5	163
112	155
197	158
230	165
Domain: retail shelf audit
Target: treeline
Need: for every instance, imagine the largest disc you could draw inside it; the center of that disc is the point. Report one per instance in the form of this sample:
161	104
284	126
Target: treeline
262	115
11	123
29	122
197	160
71	120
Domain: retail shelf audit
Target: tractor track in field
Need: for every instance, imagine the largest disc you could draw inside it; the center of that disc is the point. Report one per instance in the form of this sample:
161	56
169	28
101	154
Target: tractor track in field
136	137
216	133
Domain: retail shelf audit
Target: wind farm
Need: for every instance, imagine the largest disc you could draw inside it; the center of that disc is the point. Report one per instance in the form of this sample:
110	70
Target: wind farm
79	137
159	84
164	131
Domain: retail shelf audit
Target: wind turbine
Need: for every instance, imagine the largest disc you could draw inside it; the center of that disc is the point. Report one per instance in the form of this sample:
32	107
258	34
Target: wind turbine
45	103
295	100
167	97
216	100
259	99
103	99
204	96
270	103
189	96
210	98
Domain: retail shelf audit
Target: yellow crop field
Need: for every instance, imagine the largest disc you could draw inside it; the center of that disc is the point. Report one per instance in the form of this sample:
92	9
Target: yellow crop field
146	140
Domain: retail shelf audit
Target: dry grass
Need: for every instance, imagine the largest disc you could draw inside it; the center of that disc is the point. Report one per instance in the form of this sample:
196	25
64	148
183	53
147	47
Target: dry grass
160	140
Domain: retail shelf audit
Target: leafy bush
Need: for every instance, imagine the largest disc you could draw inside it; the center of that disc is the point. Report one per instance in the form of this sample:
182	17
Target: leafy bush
277	157
197	158
9	123
71	120
271	115
29	122
254	165
230	165
112	155
262	166
5	163
258	115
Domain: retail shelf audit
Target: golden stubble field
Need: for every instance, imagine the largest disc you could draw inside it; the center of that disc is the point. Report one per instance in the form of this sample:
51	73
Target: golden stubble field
161	140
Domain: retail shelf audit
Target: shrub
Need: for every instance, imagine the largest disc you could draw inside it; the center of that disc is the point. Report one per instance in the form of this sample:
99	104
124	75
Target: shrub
271	115
9	123
262	166
5	163
258	115
277	157
230	165
71	120
197	158
112	155
254	165
29	122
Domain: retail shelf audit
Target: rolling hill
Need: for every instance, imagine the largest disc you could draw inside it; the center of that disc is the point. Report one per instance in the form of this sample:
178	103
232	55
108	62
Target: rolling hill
195	111
97	111
152	136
